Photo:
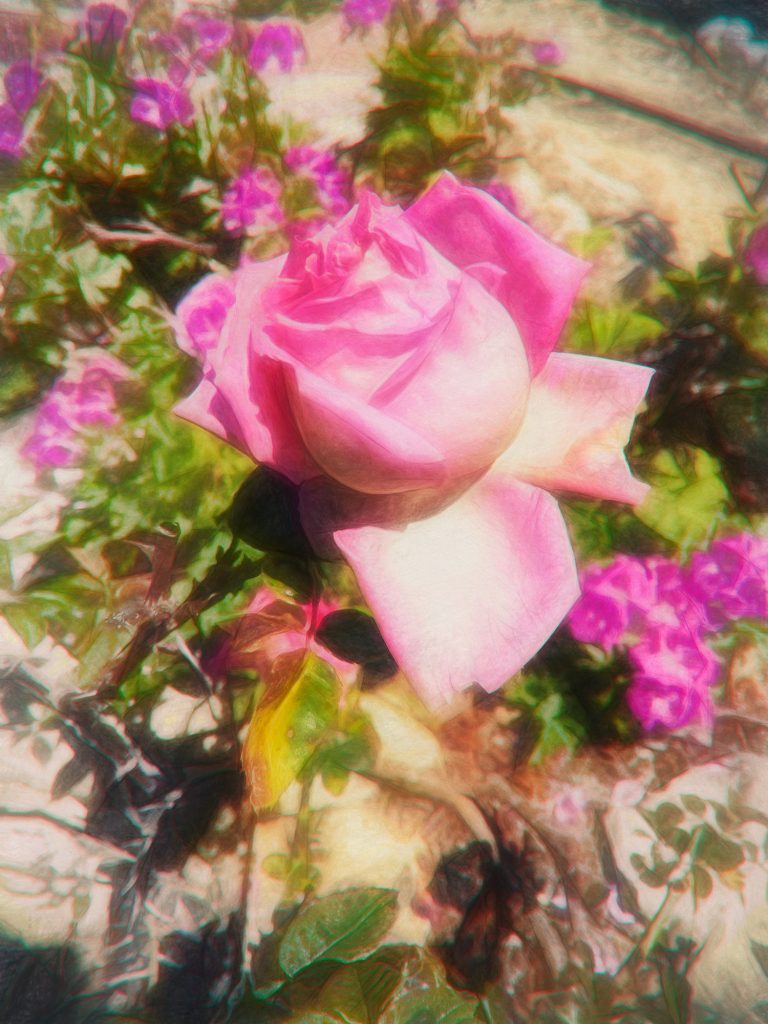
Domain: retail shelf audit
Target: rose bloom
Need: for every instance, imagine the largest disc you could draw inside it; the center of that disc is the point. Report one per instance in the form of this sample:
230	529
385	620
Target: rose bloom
399	367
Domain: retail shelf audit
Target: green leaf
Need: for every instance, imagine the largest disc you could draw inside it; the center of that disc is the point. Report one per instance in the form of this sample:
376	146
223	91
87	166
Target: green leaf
718	852
435	1005
664	818
287	728
343	926
358	992
687	498
616	329
97	274
694	804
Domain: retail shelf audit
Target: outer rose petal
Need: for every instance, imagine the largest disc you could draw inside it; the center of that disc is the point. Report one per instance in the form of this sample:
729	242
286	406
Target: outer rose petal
579	418
536	281
242	397
470	593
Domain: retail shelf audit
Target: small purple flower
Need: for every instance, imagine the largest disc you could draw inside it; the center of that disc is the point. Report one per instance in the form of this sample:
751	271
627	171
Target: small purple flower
252	202
22	84
201	314
161	104
598	619
208	36
82	398
731	579
332	183
673	669
11	131
365	12
503	194
668	705
105	25
276	44
613	598
756	254
548	52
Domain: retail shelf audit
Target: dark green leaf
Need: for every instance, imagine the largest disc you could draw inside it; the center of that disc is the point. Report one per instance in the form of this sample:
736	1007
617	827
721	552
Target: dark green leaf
343	926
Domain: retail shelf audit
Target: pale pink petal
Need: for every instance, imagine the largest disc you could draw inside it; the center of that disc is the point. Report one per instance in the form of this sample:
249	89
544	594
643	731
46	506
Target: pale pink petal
579	418
357	444
534	280
470	421
242	397
466	594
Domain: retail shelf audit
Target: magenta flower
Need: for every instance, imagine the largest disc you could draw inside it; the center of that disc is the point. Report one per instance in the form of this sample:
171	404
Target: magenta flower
673	670
730	581
548	52
161	104
399	366
332	183
207	36
11	131
104	25
276	45
613	600
22	83
365	12
658	704
82	398
201	314
251	203
756	254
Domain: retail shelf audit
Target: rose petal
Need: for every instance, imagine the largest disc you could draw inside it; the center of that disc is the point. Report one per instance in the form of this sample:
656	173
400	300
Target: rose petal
471	424
579	418
357	444
242	397
465	594
534	280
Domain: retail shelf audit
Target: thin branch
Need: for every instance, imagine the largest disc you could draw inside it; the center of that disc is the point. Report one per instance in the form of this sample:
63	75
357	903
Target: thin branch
141	233
716	136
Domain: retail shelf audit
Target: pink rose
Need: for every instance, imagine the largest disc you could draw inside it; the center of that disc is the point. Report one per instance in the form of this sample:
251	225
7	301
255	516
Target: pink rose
398	366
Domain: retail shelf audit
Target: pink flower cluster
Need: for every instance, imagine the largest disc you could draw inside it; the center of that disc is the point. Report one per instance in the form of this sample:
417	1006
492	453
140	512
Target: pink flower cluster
332	183
251	203
276	45
662	612
196	41
84	397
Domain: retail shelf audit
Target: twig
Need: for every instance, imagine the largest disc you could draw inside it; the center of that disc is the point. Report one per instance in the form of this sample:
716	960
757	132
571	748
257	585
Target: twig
716	136
140	233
